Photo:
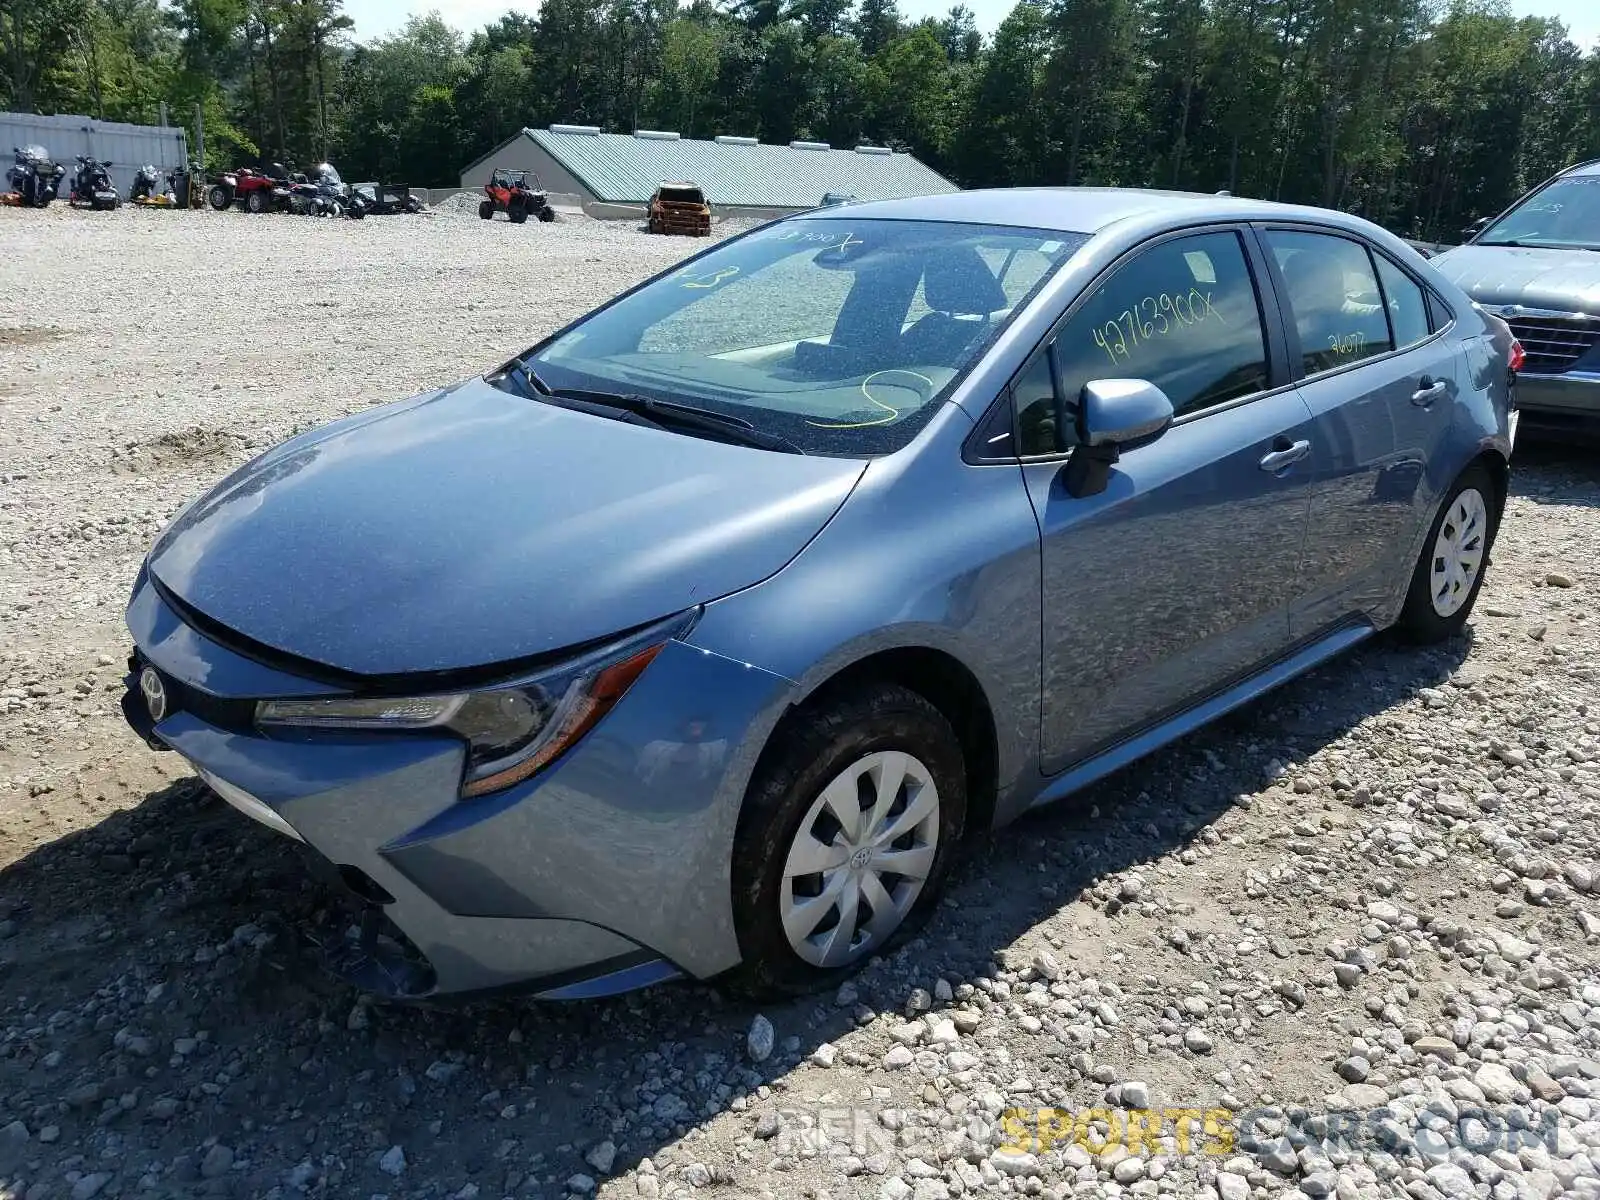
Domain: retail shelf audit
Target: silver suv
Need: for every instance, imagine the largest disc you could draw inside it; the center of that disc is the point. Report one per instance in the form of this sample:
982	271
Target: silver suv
1536	267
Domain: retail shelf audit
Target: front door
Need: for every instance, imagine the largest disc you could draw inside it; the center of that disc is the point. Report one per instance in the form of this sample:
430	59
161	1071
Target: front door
1179	578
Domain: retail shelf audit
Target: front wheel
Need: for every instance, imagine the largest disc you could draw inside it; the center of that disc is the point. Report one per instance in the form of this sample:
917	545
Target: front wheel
220	197
486	210
1449	574
547	214
256	202
847	833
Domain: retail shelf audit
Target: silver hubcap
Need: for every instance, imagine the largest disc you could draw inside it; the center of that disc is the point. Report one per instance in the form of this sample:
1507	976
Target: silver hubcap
860	858
1458	552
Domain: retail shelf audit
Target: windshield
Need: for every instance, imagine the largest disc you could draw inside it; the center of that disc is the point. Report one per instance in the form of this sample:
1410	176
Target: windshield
328	174
1567	213
840	336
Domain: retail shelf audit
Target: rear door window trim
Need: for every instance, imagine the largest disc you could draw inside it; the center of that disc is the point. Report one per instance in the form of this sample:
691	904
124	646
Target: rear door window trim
1291	332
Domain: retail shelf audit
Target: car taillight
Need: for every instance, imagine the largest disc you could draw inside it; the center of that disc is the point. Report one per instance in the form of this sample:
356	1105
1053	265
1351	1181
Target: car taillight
1518	355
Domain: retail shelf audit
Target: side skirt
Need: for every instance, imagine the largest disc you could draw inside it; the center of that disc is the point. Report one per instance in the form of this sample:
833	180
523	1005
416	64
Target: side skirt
1208	710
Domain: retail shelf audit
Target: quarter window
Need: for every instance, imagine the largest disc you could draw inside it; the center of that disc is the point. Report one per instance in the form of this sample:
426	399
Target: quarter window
1408	307
1034	397
1333	298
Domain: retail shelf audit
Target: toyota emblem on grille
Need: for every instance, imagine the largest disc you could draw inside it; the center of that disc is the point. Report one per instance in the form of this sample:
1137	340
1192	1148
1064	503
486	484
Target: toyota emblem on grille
155	693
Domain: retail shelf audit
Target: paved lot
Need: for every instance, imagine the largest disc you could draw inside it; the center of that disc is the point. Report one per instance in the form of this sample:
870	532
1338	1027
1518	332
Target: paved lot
1374	890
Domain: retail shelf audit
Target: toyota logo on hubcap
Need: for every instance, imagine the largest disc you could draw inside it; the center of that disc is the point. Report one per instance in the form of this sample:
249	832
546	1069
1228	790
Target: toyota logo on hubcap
861	857
155	693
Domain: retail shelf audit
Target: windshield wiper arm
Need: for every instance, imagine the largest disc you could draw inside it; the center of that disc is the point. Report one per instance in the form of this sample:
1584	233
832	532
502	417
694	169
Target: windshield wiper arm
533	388
685	416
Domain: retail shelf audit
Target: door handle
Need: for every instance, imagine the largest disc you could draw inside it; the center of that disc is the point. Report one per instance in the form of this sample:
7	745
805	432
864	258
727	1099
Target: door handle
1428	390
1285	455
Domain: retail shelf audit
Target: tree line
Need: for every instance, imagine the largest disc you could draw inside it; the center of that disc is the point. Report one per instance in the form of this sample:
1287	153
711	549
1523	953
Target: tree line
1414	116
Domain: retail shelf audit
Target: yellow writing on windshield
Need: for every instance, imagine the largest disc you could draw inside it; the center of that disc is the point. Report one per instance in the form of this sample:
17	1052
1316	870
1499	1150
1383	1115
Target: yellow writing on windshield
1152	318
711	278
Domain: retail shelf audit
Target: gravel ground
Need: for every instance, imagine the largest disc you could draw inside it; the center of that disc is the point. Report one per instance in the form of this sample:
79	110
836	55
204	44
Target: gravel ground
1373	893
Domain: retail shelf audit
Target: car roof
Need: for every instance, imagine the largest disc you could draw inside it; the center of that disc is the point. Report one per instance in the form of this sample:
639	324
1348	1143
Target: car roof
1584	168
1076	209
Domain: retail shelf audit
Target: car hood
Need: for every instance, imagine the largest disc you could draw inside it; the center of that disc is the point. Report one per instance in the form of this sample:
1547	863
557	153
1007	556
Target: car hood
1533	277
470	527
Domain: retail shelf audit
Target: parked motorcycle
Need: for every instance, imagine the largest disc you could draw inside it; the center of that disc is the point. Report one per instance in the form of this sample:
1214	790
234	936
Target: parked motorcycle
187	185
91	185
147	190
324	194
33	179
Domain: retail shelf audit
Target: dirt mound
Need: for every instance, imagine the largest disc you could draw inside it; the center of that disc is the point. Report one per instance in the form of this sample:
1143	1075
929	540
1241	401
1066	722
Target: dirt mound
462	204
177	451
28	335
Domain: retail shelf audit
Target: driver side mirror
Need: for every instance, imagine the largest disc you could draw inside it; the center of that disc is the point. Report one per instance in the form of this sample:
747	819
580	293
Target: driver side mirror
1113	415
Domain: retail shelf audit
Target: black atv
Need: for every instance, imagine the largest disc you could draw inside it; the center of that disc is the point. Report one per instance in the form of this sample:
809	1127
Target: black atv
92	185
33	179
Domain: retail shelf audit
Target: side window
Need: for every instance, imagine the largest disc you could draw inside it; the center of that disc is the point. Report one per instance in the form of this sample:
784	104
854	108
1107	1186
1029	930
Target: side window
1182	315
1438	312
1408	307
1034	398
1333	297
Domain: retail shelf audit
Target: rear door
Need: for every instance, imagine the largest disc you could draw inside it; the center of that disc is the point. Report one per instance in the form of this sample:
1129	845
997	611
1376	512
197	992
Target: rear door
1178	579
1381	382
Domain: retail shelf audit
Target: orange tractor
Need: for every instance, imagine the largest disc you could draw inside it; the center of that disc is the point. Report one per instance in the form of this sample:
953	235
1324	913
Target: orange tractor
680	208
516	195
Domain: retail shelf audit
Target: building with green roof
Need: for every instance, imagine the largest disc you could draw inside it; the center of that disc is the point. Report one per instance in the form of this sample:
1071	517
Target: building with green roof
737	174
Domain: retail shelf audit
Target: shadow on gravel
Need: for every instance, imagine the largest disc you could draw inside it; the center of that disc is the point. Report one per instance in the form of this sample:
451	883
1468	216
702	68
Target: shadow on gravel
1549	471
155	994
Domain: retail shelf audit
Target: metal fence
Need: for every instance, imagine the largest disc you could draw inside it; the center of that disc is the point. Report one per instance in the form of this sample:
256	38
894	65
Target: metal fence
126	147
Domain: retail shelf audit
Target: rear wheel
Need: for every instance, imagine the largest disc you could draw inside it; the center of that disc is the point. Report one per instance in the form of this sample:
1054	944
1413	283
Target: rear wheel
256	202
547	213
219	197
847	834
1449	574
486	210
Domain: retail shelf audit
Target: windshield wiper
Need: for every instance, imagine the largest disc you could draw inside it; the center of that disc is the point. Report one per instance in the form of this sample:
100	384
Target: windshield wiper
684	416
1535	244
645	410
532	387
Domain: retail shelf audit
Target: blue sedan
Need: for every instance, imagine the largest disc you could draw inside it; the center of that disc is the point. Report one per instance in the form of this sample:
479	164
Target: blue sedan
694	640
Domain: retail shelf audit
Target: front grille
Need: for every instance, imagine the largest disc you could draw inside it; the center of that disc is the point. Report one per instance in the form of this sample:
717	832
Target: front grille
1553	344
235	716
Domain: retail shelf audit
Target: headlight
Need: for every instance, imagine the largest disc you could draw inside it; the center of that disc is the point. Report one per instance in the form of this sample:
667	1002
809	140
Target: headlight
512	730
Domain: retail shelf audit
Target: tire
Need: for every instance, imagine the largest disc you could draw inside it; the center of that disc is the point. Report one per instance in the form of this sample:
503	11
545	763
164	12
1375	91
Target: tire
256	202
486	210
547	214
518	213
1449	571
219	197
867	735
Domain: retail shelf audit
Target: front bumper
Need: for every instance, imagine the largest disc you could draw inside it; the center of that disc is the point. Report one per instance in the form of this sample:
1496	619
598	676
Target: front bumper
607	871
1566	403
